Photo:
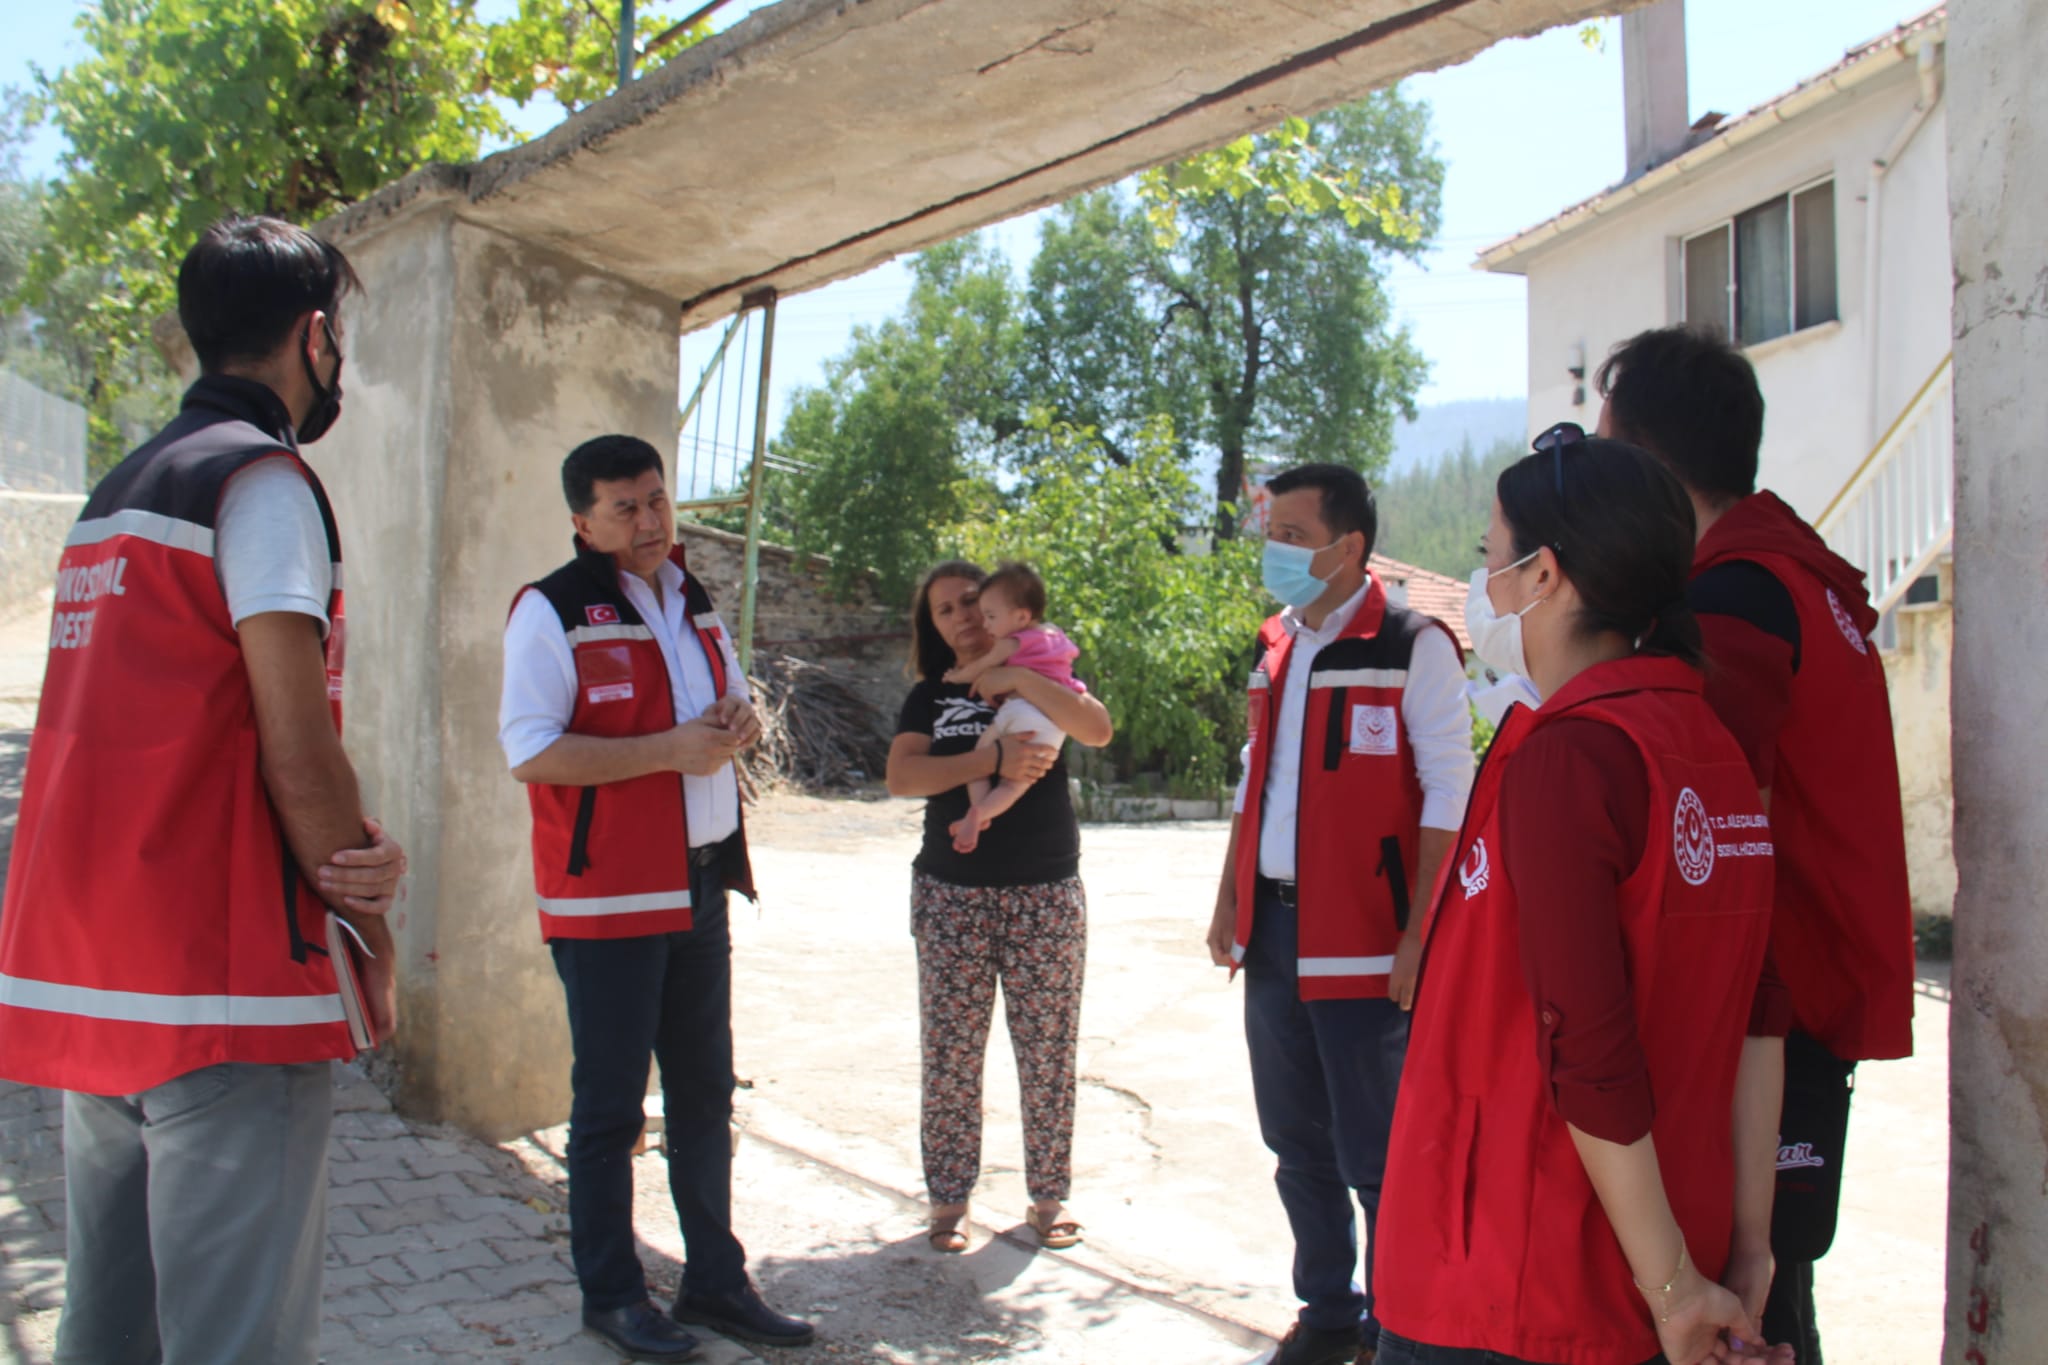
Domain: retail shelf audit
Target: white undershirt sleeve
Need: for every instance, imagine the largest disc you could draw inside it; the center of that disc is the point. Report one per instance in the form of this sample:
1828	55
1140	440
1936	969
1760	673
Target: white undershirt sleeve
270	544
1439	726
539	695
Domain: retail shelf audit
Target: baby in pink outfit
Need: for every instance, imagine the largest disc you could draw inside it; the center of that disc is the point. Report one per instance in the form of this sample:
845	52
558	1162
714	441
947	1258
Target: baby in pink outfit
1012	603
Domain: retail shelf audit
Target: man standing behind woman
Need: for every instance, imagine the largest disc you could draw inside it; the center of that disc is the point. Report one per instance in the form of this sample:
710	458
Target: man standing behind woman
1787	623
1013	911
1355	774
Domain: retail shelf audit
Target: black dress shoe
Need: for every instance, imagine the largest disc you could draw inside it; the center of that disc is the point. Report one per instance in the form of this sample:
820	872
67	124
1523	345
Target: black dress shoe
640	1331
1306	1346
740	1313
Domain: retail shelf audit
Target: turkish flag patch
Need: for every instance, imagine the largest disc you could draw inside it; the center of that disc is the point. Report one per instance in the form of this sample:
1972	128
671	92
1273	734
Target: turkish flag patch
602	615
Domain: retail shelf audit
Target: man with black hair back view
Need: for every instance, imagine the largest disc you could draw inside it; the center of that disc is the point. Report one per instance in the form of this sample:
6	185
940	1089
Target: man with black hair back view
623	707
1794	676
1356	769
187	820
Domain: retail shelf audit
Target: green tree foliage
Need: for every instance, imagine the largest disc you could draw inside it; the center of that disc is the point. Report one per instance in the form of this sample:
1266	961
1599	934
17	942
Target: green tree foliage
1165	636
54	346
1433	517
899	439
1266	288
189	109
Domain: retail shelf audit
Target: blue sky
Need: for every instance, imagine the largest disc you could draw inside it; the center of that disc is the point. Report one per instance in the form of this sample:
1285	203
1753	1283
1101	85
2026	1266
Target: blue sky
1524	129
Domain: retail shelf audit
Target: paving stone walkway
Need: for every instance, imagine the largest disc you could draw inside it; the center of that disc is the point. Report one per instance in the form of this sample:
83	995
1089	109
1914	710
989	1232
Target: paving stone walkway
439	1247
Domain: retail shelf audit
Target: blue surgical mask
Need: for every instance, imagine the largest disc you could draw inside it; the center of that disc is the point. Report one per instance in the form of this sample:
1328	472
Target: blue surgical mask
1286	573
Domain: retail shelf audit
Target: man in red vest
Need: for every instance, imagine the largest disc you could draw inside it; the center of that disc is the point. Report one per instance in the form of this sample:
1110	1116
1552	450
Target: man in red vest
623	707
1356	769
1796	679
187	819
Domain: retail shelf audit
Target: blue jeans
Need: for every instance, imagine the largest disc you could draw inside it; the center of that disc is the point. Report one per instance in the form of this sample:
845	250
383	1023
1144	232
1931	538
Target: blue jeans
669	995
1401	1351
1324	1076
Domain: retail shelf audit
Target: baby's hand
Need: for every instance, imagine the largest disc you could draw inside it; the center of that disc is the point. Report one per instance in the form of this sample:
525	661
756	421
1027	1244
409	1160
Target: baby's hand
955	675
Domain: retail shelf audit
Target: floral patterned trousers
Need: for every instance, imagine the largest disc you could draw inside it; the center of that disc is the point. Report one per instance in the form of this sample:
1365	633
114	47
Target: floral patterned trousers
1034	941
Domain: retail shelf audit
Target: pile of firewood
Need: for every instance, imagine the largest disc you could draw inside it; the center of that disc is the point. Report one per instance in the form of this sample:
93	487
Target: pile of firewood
817	733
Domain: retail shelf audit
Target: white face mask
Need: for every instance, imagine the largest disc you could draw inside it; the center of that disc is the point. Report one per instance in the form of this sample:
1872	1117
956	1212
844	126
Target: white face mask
1497	639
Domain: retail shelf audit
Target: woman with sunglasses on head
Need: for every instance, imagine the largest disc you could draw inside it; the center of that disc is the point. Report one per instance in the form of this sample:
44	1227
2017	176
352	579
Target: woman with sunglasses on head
1563	1171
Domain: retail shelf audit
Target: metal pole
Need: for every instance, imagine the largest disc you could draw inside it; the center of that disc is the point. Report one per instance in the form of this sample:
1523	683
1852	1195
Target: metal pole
751	578
625	42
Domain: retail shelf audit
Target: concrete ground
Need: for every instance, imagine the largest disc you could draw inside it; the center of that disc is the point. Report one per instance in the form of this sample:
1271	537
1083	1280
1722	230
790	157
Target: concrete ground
447	1249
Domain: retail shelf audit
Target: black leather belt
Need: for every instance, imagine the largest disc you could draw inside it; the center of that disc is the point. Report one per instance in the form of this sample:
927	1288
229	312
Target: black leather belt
709	855
1284	892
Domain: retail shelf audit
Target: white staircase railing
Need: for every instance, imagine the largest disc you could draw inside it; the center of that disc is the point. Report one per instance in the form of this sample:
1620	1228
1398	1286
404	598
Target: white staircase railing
1896	516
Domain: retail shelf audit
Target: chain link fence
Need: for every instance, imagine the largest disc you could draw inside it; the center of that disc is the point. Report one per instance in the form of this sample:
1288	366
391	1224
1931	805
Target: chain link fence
42	439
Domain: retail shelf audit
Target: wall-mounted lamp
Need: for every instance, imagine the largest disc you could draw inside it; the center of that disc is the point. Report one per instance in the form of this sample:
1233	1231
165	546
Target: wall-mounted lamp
1577	370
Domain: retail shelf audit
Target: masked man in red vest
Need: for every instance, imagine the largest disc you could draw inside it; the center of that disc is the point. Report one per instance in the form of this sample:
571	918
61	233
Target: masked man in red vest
623	707
1795	678
187	819
1355	777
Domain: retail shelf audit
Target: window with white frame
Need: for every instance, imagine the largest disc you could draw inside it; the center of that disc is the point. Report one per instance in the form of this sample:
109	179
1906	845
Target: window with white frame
1767	271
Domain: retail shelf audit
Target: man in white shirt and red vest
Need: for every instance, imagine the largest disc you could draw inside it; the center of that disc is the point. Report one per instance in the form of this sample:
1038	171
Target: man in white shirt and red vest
187	819
1795	678
623	707
1356	771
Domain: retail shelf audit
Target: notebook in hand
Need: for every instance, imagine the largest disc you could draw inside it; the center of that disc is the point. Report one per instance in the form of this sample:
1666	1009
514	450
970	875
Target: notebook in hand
343	943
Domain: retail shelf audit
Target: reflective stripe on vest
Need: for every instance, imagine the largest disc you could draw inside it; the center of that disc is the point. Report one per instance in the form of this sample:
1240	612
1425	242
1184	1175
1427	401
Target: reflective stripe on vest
616	905
143	1007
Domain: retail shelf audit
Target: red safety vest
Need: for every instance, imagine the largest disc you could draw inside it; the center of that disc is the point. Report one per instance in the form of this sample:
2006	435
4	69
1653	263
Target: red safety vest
1360	800
1490	1236
612	861
1843	932
156	921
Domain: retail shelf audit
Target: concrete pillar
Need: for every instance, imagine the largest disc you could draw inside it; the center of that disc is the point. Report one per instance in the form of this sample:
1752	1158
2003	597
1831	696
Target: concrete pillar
474	364
1998	1040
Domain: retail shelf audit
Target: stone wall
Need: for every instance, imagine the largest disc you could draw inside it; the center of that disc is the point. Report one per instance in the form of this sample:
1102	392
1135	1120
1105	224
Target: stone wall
32	531
1917	672
865	640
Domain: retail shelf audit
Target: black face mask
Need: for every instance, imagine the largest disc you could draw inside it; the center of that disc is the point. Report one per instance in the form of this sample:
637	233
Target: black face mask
326	401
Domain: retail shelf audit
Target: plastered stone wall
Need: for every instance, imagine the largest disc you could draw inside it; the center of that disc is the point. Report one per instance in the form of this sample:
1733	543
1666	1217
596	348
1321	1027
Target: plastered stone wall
865	641
32	531
1917	672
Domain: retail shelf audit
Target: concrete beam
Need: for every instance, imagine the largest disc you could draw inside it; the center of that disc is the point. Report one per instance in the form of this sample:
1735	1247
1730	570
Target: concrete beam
1998	1032
819	138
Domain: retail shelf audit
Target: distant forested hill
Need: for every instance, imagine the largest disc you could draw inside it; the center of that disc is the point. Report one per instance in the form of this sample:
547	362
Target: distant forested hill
1433	516
1442	429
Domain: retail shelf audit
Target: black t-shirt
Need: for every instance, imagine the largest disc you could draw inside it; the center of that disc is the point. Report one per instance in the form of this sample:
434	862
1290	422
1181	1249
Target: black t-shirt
1036	840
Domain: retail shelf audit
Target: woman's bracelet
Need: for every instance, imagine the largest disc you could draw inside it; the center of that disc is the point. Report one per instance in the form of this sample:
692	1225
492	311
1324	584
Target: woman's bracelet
999	760
1664	1289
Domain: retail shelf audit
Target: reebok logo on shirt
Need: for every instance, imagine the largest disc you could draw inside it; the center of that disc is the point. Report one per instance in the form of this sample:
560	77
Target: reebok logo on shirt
962	716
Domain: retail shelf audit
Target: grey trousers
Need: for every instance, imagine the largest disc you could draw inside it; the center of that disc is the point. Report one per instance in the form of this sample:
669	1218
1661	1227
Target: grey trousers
198	1217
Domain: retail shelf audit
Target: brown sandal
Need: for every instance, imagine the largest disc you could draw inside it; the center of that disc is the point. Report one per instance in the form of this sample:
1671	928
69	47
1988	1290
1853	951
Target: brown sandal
948	1234
1053	1236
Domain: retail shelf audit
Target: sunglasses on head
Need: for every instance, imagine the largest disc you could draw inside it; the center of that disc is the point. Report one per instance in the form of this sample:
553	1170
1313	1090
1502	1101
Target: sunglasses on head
1553	442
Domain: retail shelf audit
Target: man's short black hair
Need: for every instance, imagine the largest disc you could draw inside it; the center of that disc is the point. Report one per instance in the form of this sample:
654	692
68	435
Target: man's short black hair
246	281
602	458
1347	503
1691	399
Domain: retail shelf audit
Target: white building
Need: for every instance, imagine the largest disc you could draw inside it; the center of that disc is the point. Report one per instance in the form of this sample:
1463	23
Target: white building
1813	229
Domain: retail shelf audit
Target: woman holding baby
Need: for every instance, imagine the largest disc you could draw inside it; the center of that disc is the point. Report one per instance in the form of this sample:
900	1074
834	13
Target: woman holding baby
996	891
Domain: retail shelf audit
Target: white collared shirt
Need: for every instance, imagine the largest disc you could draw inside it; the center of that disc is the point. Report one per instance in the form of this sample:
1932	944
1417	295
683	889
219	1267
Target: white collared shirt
1432	708
539	696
